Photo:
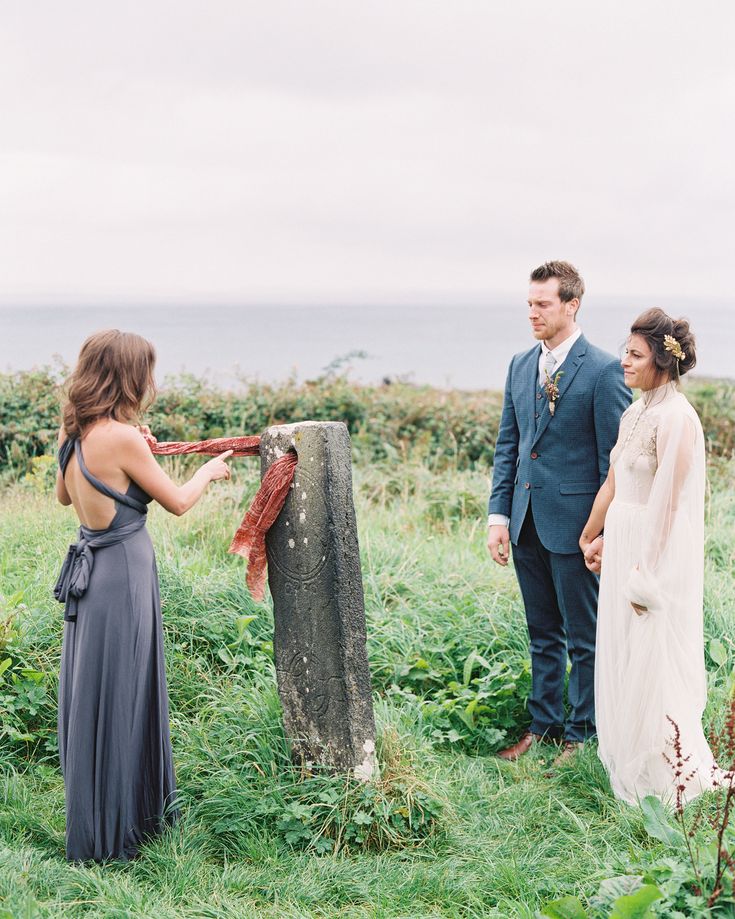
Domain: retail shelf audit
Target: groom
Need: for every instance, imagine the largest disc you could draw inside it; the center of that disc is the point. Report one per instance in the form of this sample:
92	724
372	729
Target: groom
563	402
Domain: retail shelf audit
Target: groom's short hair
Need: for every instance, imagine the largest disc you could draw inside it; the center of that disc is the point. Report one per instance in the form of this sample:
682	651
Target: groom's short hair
571	284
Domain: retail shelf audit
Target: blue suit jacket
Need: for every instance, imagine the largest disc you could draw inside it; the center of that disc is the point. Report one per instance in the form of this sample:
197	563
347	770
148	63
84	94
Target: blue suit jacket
559	463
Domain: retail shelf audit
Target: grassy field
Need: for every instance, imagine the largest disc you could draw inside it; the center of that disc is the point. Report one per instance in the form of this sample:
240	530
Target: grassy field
449	831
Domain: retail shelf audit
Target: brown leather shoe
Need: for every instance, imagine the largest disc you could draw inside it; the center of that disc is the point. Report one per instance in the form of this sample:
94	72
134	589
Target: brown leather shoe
571	747
511	754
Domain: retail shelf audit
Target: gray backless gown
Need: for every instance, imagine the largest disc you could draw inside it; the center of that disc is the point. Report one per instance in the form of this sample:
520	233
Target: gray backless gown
114	741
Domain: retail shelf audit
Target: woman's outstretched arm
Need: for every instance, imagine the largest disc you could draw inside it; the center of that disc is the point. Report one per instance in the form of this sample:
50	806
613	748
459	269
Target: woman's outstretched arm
139	464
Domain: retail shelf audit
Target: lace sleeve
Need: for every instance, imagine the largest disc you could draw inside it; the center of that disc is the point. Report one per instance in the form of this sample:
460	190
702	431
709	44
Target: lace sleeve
677	464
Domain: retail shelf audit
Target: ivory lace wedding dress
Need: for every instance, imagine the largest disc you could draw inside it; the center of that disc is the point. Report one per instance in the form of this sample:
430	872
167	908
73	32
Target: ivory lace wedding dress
651	666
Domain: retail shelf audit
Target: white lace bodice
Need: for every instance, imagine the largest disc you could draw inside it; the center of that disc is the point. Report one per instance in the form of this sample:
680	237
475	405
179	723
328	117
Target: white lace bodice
634	457
658	463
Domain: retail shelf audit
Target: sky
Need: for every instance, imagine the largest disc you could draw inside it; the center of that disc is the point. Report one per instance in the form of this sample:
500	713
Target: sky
347	152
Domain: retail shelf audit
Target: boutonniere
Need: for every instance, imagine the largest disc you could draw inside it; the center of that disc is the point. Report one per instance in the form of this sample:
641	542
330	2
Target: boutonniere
551	388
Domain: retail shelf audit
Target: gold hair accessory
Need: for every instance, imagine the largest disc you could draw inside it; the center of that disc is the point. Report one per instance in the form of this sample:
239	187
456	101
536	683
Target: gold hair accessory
672	345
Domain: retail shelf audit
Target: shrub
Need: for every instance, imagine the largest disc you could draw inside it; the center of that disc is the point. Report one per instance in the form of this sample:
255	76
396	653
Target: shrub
440	428
29	415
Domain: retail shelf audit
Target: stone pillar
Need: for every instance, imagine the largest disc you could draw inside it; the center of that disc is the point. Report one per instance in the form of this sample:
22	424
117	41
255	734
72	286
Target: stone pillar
315	579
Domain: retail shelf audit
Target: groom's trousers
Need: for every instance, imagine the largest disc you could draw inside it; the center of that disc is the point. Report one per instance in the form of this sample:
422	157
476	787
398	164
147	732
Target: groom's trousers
560	597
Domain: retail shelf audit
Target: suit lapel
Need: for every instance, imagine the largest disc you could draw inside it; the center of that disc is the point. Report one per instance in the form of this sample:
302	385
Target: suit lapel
569	368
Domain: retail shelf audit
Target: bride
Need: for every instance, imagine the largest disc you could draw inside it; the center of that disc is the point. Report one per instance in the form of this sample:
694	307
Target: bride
650	683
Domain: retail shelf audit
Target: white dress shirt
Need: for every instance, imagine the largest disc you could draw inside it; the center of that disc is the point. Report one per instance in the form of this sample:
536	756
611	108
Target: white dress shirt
560	355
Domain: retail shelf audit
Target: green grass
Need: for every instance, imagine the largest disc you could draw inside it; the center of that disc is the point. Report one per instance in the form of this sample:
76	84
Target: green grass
502	839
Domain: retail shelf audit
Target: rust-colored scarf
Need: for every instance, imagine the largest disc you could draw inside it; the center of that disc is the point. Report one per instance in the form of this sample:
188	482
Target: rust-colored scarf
249	539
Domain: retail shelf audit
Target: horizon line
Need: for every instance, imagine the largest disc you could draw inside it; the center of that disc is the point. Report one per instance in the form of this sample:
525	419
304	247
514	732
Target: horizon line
415	301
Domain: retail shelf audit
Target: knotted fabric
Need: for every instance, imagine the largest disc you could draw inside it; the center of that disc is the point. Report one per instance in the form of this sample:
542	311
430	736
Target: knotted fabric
76	571
249	539
240	446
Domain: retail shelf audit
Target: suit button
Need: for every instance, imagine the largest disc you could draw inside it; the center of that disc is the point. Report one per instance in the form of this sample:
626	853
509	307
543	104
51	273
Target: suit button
527	485
537	414
534	456
538	395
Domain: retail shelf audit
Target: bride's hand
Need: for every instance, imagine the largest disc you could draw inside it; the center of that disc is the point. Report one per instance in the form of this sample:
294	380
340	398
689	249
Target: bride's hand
594	564
593	554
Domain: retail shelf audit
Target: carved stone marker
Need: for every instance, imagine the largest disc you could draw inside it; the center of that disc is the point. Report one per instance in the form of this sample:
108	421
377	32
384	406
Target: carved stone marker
315	579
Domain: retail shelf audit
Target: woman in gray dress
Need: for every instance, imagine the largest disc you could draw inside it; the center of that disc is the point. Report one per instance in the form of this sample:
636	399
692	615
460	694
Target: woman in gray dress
114	741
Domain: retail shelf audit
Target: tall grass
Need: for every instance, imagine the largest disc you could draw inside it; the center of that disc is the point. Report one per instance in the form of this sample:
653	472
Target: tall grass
259	838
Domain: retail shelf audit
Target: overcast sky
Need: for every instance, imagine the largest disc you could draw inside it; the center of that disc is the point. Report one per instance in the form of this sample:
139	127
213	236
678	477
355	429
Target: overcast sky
383	150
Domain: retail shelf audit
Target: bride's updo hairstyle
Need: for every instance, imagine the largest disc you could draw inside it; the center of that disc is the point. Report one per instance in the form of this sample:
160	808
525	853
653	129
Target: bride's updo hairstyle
113	378
654	325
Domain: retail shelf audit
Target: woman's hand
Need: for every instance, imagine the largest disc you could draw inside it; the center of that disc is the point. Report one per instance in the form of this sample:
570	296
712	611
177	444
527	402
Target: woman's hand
140	465
217	468
593	553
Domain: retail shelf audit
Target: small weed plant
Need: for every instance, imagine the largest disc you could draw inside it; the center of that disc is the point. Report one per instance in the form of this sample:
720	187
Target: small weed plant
475	709
26	705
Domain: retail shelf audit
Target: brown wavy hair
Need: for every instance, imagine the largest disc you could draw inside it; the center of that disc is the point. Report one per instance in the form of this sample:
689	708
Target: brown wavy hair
113	378
654	325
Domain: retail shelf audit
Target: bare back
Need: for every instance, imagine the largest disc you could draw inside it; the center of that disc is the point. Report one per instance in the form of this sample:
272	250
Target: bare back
101	445
117	454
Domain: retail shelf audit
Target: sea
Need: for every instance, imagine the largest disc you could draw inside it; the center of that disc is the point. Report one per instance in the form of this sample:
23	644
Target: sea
449	346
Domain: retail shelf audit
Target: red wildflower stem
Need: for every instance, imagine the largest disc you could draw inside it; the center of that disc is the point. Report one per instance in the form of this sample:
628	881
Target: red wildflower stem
677	768
688	842
721	851
722	781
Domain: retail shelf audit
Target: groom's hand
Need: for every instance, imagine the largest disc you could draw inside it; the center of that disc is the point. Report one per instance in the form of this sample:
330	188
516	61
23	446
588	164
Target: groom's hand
498	542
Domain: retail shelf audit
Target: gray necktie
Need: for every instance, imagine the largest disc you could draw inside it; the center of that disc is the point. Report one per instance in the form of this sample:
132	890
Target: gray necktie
547	366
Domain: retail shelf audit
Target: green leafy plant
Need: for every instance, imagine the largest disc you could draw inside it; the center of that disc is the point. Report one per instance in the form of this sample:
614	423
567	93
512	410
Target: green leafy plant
477	708
712	859
24	907
635	905
346	815
42	475
29	415
698	878
26	707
